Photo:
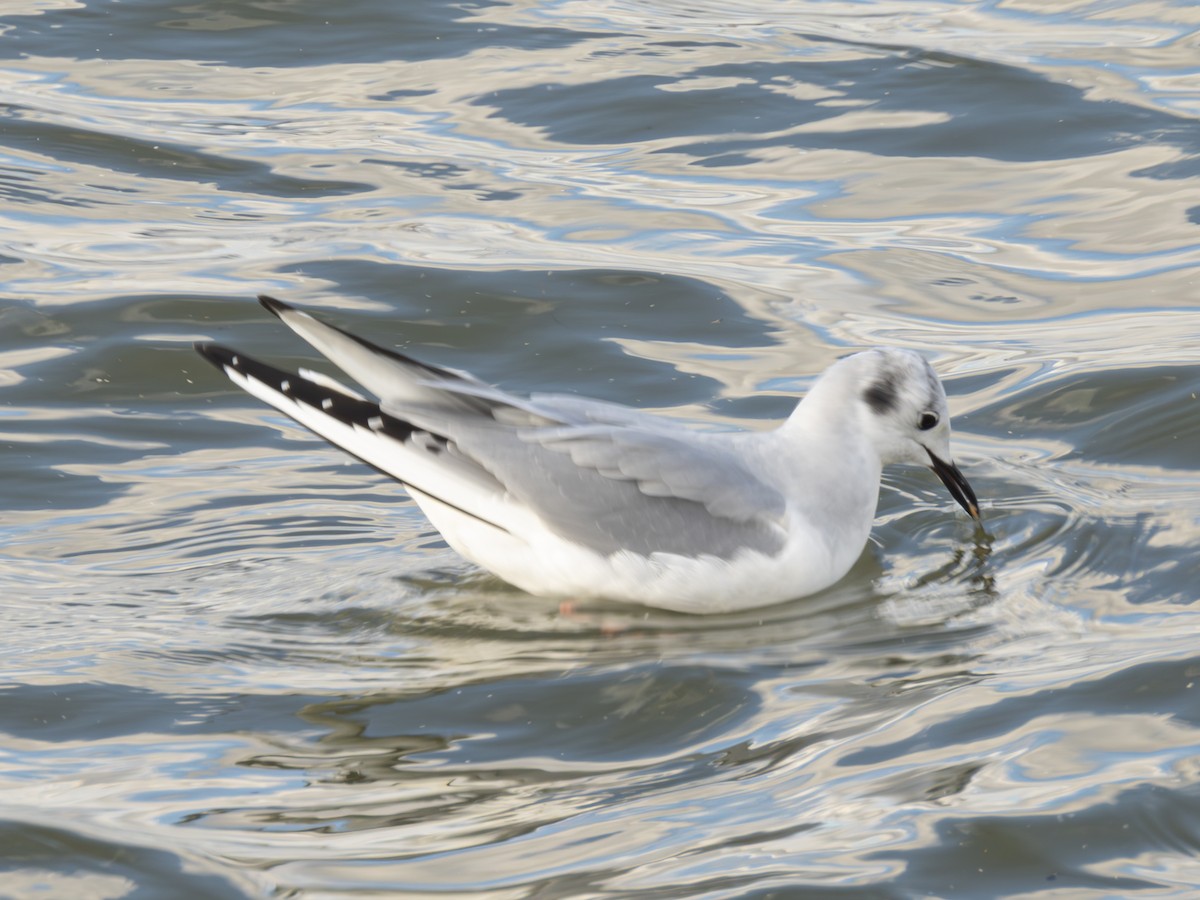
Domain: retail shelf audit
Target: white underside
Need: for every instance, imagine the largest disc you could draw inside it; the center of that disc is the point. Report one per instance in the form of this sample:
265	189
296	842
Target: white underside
542	563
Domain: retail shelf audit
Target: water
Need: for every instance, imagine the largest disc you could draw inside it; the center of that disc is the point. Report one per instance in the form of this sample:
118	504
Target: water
237	664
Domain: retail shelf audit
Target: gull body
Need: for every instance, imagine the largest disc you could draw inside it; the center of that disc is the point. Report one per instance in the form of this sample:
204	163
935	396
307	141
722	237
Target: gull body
567	497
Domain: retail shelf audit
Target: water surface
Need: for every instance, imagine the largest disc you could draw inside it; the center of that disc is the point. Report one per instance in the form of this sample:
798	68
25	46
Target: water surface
239	664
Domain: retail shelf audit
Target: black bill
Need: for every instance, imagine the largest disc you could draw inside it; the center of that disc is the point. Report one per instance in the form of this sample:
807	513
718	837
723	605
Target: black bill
956	484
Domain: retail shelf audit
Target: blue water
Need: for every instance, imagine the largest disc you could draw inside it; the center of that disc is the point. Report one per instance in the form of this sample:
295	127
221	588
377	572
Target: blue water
238	664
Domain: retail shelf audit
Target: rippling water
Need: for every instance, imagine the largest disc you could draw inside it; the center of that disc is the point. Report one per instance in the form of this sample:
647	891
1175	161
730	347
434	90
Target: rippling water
237	664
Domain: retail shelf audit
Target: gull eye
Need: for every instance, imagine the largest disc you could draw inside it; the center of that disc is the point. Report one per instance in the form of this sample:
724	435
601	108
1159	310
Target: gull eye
928	420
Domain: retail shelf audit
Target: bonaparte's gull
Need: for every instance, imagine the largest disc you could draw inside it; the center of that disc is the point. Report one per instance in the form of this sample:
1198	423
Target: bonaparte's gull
568	497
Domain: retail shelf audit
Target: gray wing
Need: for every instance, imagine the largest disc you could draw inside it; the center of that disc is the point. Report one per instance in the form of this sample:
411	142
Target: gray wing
684	465
602	475
615	487
585	410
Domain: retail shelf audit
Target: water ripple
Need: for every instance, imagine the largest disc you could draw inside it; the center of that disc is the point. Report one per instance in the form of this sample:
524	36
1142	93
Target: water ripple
238	665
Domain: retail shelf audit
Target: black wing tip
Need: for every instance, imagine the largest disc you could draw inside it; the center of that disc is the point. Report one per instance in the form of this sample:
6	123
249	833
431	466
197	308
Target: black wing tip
217	354
273	306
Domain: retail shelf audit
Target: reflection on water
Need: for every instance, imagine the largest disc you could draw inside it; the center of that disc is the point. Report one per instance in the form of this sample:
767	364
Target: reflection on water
239	664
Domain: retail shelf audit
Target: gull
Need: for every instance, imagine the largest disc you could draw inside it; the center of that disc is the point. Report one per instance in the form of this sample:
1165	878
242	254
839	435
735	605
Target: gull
574	498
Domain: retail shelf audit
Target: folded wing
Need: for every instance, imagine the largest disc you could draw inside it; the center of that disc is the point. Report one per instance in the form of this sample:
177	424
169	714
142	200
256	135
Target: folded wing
601	475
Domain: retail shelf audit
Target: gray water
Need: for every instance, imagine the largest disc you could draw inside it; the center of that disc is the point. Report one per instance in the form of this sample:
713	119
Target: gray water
238	664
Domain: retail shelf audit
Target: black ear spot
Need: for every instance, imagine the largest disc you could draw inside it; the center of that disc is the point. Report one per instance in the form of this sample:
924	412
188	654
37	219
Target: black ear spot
928	420
881	396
